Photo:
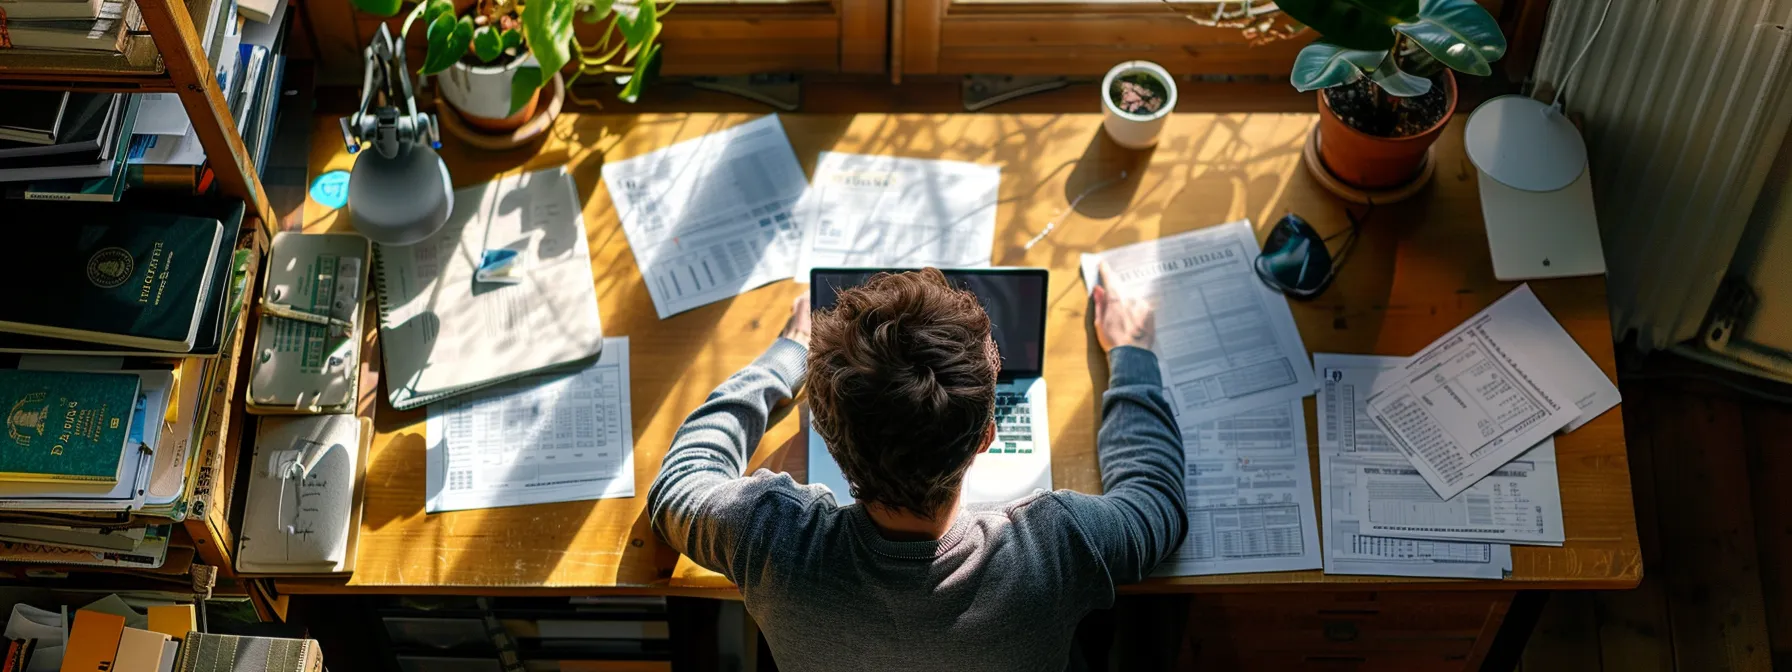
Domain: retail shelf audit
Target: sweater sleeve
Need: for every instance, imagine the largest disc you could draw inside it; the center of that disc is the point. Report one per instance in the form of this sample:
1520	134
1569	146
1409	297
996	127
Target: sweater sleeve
699	502
1141	517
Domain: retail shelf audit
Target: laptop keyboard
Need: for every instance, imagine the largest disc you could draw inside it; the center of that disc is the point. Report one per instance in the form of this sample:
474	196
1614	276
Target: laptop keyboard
1014	424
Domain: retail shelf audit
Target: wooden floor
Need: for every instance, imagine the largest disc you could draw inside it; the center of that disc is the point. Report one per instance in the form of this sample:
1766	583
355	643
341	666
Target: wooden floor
1711	468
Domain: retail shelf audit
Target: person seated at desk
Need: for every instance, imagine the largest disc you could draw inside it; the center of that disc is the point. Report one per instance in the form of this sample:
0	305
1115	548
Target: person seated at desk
902	377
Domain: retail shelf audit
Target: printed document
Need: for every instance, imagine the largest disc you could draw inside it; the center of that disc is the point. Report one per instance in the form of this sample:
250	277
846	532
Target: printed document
1350	441
1478	397
1520	502
1226	342
1250	495
552	437
890	212
710	218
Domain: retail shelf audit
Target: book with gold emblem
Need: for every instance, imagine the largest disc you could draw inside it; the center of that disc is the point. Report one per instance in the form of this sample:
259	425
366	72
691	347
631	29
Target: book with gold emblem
109	273
65	427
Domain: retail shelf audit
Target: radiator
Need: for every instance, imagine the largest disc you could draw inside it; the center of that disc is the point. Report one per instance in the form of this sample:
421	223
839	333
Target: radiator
1684	103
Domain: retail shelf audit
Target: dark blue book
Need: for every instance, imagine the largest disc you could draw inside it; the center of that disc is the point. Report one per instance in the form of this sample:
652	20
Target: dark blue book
110	273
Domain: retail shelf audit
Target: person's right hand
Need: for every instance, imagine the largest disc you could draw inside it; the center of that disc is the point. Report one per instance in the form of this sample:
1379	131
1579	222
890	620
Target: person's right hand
1121	319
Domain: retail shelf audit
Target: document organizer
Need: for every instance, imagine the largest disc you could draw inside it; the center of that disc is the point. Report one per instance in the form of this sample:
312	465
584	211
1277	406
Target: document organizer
307	356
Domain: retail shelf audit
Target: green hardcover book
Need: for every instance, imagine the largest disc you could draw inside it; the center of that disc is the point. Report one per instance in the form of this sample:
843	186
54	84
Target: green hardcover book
65	426
108	273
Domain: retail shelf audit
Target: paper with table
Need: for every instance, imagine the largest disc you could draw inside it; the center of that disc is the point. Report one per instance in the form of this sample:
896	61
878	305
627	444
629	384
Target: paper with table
865	211
711	217
1348	442
1250	495
1492	388
551	437
1226	342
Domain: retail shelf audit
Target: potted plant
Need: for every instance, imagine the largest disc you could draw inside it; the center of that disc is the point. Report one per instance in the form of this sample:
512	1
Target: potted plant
492	61
1136	98
1382	69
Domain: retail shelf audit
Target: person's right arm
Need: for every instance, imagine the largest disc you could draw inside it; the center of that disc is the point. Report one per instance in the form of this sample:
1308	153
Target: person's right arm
1142	517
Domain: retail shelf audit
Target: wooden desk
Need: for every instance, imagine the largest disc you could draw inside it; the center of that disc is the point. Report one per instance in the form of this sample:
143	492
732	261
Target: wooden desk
1420	268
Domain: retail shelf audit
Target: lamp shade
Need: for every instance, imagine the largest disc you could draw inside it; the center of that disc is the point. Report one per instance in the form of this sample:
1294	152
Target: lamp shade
400	200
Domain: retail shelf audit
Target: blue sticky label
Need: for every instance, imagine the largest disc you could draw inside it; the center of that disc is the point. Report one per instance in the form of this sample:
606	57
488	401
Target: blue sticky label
331	189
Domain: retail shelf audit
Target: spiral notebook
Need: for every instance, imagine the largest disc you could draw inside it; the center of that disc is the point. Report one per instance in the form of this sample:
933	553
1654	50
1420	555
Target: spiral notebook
443	333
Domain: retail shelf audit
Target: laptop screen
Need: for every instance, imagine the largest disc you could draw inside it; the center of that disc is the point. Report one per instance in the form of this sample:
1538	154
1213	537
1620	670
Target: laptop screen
1013	297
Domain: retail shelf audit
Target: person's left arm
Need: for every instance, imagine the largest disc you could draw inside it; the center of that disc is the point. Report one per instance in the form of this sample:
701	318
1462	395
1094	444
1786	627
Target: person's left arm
699	487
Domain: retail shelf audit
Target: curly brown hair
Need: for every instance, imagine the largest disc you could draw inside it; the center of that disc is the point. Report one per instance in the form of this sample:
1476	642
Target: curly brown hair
902	385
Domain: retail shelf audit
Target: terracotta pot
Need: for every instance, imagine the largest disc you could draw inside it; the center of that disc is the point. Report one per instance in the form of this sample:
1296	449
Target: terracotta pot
1371	161
481	94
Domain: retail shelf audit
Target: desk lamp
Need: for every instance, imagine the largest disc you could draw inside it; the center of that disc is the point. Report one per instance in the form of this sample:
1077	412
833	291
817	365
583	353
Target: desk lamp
1536	191
398	194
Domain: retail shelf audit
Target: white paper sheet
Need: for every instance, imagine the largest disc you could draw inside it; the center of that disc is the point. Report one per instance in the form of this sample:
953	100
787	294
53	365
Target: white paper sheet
160	114
553	437
1250	495
892	212
710	218
1226	343
1348	437
1478	397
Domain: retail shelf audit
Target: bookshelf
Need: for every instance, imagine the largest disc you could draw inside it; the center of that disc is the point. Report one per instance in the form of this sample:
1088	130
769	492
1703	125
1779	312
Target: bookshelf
170	59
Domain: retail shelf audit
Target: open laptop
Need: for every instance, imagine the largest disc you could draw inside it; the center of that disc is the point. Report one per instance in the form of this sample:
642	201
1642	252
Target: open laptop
1020	459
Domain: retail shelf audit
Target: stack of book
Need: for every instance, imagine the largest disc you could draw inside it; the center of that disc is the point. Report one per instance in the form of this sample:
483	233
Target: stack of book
61	145
67	146
122	361
114	634
249	62
52	26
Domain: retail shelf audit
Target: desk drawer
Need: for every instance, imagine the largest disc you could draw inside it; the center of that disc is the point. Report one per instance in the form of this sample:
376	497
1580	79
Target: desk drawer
1344	631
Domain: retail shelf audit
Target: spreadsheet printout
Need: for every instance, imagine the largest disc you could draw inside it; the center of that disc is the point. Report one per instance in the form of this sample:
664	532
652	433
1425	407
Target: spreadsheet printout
864	211
1520	502
1226	343
551	437
1250	495
1475	398
711	217
1347	434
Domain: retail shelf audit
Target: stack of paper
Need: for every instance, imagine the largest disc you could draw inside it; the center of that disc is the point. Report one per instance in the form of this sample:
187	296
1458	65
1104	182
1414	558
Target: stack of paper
712	217
1431	465
1235	369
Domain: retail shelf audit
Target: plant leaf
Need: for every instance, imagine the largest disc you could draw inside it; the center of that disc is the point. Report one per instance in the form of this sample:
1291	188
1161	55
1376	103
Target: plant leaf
1458	33
1323	64
486	43
597	11
527	80
510	39
1391	79
637	32
446	44
547	27
647	68
1353	24
377	7
435	8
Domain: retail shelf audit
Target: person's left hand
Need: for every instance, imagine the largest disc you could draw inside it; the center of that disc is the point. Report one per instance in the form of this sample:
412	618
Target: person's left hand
797	329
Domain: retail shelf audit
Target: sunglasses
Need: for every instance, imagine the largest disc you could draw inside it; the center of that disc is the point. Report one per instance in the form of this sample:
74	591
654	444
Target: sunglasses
1295	259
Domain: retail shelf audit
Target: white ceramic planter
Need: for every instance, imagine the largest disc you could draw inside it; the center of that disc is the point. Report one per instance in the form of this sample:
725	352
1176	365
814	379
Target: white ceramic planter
1132	130
481	91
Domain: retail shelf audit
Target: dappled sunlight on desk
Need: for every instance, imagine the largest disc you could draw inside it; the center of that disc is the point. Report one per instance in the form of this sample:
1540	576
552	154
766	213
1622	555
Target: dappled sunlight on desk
1419	268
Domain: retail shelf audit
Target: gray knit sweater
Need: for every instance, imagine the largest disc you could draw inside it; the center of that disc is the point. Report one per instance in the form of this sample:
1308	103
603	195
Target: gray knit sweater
1003	589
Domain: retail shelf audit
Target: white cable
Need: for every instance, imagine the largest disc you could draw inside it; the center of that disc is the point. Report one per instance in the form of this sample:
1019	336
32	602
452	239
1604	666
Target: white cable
1562	92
